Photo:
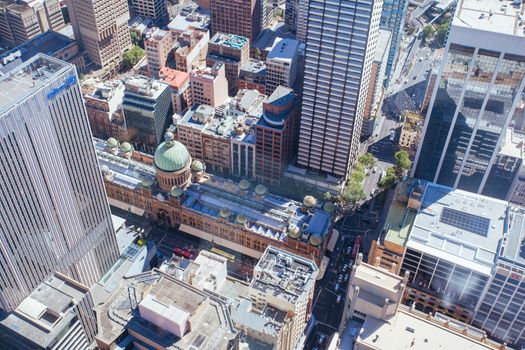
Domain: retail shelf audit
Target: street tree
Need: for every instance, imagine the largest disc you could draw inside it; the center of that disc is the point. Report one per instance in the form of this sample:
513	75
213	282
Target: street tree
428	32
327	196
389	179
403	162
354	192
367	160
132	57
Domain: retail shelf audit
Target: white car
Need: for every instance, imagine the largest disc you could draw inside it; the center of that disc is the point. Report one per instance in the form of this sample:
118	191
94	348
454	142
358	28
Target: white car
336	287
338	299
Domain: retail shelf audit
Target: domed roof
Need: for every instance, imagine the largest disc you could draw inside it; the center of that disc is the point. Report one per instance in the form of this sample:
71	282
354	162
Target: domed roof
126	147
244	185
241	219
329	207
197	166
309	201
225	213
176	191
111	143
294	231
315	239
171	156
261	190
147	182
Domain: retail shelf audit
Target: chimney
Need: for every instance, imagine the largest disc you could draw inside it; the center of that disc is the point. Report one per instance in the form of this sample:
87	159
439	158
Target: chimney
359	259
393	267
377	261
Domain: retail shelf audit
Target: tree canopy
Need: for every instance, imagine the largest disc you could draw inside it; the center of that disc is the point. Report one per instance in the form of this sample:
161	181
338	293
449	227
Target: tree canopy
354	192
132	57
428	31
389	179
367	160
403	162
442	31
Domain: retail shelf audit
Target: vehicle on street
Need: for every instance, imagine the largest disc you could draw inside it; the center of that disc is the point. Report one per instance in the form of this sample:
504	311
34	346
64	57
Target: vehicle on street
338	299
357	244
340	278
336	287
392	136
183	253
347	276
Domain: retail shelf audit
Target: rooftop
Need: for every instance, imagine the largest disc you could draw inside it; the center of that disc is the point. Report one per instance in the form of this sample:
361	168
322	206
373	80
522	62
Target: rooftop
266	40
175	78
504	17
47	43
110	91
162	301
254	66
378	276
414	330
144	86
139	24
229	40
29	77
281	97
459	226
285	50
513	144
514	244
155	34
43	316
194	20
284	275
412	121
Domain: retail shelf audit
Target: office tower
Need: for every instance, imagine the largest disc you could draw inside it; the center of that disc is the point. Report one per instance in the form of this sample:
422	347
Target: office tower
155	10
239	17
158	45
275	135
23	20
209	85
302	18
101	29
233	51
148	110
281	65
393	19
501	311
290	15
481	79
55	215
57	315
340	48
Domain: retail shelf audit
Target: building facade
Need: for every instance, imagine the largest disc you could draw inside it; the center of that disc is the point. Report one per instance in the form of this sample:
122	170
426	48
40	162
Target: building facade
158	45
480	82
340	47
147	111
209	85
281	65
276	135
180	87
253	76
233	51
24	20
54	217
155	10
393	18
101	29
238	17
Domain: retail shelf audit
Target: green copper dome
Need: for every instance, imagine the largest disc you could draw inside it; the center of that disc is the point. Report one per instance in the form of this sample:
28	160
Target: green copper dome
176	191
329	207
294	231
111	143
126	147
260	190
244	185
309	201
197	166
171	156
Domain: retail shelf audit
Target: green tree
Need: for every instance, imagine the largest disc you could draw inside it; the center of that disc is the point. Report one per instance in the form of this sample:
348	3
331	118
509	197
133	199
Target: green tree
136	39
428	31
327	196
389	179
442	31
367	160
132	57
403	162
353	192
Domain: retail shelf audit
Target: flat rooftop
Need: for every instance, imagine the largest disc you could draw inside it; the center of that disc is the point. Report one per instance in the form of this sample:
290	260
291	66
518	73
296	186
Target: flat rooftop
229	40
111	92
383	44
254	66
27	78
491	16
513	144
375	275
214	329
514	247
144	86
459	226
175	78
44	315
285	50
194	20
284	275
407	330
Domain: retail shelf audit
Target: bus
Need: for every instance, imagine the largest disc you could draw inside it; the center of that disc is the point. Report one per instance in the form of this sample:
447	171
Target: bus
184	253
357	244
224	254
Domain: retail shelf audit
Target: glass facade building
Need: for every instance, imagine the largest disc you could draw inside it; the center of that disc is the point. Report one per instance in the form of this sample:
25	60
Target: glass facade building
54	212
340	46
393	19
473	104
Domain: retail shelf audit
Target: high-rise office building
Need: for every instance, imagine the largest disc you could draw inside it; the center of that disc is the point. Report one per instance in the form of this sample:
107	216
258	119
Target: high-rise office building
340	47
101	29
23	20
239	17
480	82
156	10
55	215
393	19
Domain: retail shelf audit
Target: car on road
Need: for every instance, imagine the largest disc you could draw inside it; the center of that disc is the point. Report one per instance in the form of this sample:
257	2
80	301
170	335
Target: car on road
340	278
392	136
347	276
345	266
338	300
336	287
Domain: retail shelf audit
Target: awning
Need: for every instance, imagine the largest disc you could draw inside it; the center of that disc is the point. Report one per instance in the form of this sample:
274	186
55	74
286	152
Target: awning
125	206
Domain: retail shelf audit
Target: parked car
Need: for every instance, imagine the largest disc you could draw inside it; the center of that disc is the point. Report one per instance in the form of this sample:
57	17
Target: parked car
336	287
338	299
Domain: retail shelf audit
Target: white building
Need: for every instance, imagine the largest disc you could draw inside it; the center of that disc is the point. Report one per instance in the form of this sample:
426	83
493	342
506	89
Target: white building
281	65
340	48
55	215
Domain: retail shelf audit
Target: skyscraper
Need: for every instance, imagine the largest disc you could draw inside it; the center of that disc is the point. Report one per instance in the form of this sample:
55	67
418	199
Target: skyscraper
393	19
480	82
101	28
55	215
239	17
340	47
